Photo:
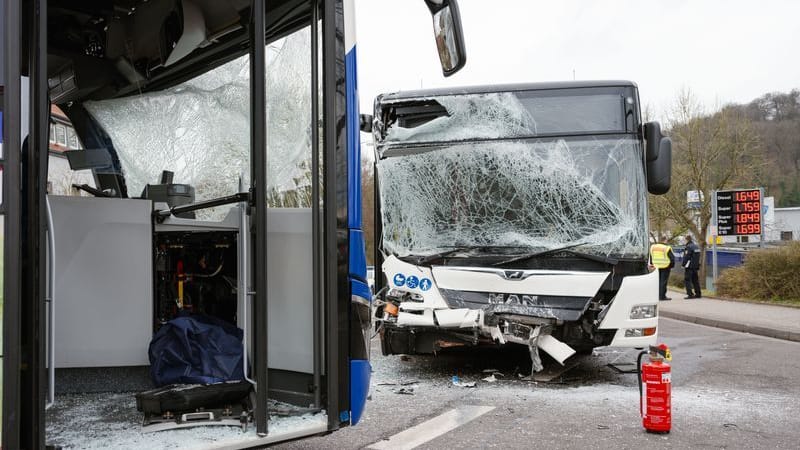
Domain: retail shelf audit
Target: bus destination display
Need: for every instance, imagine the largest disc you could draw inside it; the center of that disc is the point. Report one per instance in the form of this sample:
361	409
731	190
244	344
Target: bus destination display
739	212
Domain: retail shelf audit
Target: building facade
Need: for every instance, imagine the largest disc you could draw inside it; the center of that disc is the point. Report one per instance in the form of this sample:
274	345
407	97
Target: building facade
60	177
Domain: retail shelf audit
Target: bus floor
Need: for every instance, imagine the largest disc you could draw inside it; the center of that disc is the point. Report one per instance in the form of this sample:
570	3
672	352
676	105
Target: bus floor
84	416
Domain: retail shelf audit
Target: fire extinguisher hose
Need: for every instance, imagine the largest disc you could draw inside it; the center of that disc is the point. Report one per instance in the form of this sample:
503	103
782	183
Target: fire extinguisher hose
639	376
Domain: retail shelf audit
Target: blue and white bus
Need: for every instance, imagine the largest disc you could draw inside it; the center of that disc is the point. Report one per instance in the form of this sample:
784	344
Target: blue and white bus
222	139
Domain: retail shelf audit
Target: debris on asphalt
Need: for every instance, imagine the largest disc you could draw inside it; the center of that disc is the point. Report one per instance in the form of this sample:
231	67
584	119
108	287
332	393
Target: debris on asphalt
467	384
490	379
404	391
398	383
625	367
603	427
494	372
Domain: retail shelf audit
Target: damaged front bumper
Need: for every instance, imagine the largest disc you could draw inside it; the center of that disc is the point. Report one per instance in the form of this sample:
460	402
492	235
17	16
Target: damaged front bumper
560	312
430	331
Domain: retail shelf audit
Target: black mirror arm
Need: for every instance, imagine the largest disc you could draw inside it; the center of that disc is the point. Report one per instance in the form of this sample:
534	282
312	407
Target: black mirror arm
365	123
436	6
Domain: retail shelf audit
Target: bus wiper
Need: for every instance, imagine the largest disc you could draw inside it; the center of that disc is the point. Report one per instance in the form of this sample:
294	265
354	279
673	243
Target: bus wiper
599	258
440	255
589	256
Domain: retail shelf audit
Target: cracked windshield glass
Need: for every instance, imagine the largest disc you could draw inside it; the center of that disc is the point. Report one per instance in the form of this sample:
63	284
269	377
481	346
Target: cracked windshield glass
480	176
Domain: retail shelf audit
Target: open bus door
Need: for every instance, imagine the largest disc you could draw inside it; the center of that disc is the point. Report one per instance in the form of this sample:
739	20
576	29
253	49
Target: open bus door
294	263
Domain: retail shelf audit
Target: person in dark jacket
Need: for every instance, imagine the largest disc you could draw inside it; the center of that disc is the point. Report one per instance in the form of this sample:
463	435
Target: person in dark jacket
691	266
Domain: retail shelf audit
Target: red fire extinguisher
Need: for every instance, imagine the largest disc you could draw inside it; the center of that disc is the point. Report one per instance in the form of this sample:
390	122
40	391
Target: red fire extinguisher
655	389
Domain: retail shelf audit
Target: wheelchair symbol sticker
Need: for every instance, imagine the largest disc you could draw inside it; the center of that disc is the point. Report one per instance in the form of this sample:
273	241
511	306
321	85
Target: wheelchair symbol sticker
399	279
412	282
425	284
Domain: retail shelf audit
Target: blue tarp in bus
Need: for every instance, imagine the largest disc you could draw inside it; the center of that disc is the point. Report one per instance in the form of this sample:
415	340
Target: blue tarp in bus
194	349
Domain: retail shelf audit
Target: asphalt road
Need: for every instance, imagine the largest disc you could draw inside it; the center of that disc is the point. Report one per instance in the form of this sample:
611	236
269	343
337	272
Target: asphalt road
730	390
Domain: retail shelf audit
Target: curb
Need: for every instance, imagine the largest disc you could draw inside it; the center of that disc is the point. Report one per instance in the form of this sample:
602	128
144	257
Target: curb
733	326
708	296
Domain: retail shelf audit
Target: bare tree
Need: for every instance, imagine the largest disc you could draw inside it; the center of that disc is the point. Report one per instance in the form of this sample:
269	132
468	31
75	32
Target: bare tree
776	117
711	152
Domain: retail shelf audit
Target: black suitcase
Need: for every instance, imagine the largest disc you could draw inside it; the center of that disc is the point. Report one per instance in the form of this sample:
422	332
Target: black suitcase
179	398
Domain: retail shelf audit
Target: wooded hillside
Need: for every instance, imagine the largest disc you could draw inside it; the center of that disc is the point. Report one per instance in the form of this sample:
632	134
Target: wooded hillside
776	120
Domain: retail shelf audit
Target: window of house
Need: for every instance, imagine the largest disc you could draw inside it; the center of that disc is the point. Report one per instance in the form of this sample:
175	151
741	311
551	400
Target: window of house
72	139
61	135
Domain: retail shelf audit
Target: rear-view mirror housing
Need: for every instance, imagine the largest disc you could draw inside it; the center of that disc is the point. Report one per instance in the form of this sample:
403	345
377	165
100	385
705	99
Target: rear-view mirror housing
659	171
448	34
652	137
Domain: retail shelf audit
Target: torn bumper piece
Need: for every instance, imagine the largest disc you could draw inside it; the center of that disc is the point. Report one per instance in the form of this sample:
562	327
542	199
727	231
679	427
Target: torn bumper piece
536	337
555	348
447	318
437	323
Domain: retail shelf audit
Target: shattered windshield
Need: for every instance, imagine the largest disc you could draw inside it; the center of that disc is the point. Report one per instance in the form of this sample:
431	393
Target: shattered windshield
528	194
200	129
506	115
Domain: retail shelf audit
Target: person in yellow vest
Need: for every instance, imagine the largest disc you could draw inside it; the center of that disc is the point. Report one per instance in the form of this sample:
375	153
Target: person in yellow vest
663	259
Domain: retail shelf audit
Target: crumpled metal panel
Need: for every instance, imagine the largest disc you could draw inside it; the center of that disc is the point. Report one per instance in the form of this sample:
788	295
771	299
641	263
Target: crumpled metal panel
544	306
482	116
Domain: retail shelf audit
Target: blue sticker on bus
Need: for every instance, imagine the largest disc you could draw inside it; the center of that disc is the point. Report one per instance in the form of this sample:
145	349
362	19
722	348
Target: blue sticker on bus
425	284
412	282
399	279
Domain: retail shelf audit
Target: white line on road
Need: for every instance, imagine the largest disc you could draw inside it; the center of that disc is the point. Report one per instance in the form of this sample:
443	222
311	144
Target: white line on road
431	429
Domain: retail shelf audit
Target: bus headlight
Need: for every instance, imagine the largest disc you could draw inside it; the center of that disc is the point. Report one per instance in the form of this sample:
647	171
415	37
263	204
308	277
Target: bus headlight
643	311
640	332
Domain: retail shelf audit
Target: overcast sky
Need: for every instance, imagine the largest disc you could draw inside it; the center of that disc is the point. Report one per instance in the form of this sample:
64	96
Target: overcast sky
724	51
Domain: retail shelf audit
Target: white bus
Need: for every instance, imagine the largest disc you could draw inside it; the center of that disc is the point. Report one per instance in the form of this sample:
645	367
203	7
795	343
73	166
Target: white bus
516	214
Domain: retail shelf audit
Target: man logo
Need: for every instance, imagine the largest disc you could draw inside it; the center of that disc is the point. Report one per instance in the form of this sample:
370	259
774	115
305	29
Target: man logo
513	274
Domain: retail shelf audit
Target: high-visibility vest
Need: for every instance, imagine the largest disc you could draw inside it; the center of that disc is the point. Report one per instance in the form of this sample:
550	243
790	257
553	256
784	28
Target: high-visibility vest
659	255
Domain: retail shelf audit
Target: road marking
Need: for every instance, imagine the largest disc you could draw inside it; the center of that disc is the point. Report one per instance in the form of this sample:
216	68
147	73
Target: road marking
431	429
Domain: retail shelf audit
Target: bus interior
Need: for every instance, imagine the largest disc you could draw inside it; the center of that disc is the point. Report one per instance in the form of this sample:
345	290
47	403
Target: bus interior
222	139
168	99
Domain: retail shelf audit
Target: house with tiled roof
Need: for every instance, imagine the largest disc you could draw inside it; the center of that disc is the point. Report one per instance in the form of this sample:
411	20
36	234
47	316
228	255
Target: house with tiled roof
60	177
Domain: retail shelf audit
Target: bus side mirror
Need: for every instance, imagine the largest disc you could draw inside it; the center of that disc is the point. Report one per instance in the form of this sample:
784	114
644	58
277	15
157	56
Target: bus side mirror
652	137
365	123
448	34
659	171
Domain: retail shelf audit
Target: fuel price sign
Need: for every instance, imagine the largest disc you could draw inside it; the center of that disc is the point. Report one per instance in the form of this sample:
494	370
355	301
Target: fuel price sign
739	212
